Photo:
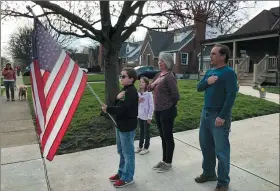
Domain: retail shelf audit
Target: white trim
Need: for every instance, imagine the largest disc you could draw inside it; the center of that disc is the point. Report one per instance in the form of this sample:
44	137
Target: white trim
148	59
148	43
241	39
184	58
275	24
181	46
187	42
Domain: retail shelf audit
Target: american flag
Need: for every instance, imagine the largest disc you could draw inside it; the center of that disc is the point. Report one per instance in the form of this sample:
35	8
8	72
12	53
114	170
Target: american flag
57	87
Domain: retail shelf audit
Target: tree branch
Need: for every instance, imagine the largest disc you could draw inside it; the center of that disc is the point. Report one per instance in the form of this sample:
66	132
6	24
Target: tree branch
70	16
71	33
136	23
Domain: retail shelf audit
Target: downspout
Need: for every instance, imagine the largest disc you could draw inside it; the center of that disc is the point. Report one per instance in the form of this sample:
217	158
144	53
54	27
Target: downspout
278	63
201	61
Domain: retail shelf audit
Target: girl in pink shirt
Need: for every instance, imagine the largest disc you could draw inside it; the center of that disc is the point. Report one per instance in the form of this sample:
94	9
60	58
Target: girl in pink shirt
145	115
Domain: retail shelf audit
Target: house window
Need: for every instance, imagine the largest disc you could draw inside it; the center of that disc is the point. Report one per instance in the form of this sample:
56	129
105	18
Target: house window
184	59
148	59
127	49
177	38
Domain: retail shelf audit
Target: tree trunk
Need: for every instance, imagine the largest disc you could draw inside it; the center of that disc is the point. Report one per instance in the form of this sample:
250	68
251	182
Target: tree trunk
111	75
200	19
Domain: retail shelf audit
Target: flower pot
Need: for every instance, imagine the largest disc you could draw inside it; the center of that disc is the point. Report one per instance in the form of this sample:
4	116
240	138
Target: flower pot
262	94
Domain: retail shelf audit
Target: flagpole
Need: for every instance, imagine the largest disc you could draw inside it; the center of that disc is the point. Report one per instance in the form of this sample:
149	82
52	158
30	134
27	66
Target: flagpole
31	11
100	102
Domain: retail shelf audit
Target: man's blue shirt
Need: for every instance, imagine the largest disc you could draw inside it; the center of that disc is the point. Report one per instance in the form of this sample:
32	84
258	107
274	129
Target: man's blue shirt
221	95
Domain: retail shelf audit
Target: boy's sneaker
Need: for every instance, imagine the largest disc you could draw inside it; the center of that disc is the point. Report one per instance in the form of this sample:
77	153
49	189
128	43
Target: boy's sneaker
158	165
144	151
114	178
121	183
138	150
164	168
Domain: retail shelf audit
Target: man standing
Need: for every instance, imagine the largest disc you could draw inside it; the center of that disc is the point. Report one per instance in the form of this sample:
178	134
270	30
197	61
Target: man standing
220	86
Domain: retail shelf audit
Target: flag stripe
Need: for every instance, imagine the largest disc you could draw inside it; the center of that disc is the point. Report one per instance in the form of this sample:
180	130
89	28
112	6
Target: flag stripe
40	86
45	78
59	91
57	80
39	129
63	114
67	121
63	91
37	103
54	72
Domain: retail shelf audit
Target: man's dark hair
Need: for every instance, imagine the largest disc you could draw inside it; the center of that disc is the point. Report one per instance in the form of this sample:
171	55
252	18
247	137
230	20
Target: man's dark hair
224	51
131	73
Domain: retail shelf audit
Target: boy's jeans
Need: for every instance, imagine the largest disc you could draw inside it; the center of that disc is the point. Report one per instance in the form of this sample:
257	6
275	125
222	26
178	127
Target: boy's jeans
214	141
144	133
125	147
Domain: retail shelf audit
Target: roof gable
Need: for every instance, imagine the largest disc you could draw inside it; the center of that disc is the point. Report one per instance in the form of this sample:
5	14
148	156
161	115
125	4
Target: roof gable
262	22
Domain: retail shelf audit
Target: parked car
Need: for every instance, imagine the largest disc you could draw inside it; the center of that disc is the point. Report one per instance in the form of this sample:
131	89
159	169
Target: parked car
85	70
27	71
146	71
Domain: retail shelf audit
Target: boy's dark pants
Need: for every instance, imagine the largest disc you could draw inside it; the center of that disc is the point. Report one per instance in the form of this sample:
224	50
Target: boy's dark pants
10	85
144	133
165	121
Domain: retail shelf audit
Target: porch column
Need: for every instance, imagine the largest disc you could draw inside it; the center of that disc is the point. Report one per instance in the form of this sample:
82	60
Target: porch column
233	55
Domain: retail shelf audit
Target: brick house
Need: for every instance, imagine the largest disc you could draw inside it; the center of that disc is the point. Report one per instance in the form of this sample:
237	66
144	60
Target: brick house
254	48
181	43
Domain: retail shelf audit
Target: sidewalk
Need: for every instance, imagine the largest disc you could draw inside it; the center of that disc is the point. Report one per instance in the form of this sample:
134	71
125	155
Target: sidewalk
254	164
247	90
21	163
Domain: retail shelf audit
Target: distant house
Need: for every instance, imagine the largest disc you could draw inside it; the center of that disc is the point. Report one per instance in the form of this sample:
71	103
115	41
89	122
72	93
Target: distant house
129	53
81	59
254	49
180	43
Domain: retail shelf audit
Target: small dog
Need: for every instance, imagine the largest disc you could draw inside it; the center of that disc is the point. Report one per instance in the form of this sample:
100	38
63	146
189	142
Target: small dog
22	93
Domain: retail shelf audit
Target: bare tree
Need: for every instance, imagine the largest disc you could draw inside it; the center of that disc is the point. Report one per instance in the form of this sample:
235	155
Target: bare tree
225	15
116	22
82	21
19	45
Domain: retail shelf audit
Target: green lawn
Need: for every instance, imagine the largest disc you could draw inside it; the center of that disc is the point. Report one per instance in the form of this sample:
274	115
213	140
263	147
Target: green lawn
90	130
91	78
275	90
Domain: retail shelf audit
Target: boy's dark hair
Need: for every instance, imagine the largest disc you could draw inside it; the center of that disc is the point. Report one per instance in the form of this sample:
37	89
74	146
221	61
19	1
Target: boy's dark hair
224	51
131	73
146	80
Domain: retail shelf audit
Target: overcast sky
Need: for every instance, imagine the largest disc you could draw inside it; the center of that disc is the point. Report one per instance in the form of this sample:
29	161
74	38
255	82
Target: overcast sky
8	27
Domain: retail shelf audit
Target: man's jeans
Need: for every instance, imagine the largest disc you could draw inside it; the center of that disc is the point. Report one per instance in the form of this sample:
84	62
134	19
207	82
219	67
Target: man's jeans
10	85
125	146
144	133
214	141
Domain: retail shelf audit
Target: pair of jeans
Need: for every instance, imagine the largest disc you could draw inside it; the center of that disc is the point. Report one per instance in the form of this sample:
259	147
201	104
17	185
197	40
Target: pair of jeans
214	142
125	147
10	85
144	133
165	122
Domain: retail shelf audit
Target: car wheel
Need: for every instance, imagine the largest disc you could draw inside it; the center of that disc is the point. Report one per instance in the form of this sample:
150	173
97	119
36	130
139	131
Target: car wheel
141	76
